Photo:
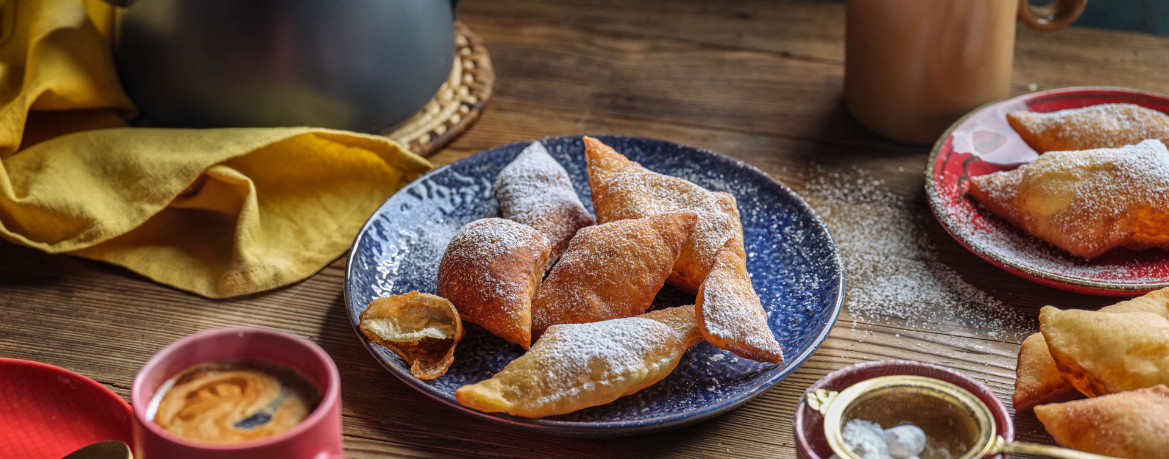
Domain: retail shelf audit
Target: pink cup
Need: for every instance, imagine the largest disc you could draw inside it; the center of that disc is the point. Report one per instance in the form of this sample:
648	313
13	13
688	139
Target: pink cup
317	437
808	425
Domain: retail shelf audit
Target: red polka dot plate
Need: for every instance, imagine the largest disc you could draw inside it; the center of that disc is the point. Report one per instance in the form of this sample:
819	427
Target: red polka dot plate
48	412
1119	272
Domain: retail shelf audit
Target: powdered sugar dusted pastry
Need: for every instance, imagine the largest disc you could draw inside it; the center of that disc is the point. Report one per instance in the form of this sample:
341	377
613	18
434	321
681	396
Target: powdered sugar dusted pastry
1086	128
611	270
490	271
576	366
1086	202
683	319
623	189
1128	424
535	190
730	315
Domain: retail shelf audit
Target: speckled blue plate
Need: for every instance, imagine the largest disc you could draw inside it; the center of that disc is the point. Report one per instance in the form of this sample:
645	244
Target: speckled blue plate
794	264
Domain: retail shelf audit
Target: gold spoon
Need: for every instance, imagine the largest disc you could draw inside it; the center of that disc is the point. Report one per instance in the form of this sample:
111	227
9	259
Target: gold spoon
950	415
109	449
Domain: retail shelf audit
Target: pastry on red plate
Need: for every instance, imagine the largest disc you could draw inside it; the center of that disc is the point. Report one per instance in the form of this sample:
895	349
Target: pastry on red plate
1086	128
1086	202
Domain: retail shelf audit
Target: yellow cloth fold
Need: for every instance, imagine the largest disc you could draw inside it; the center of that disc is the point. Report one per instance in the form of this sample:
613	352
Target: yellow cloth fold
218	212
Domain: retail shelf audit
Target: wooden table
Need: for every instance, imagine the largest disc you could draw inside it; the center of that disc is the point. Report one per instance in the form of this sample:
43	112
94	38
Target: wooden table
760	81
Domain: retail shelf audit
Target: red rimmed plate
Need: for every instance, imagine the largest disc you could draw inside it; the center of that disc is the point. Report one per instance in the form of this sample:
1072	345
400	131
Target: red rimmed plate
48	412
1120	272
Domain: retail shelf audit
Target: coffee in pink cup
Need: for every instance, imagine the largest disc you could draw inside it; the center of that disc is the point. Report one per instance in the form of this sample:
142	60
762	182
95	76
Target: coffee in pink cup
292	360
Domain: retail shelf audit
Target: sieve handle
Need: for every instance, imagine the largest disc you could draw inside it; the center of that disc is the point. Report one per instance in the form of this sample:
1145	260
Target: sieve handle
1018	447
819	400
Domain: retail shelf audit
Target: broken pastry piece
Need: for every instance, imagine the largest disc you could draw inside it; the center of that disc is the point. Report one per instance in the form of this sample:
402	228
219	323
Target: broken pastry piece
576	366
1086	128
611	270
535	190
1086	202
1038	381
1128	424
623	189
1104	353
422	329
490	271
730	314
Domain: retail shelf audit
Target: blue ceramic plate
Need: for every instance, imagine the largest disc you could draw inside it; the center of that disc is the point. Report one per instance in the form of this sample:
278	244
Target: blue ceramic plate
794	264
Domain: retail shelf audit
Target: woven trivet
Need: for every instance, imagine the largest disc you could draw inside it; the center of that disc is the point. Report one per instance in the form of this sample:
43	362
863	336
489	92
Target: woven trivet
457	104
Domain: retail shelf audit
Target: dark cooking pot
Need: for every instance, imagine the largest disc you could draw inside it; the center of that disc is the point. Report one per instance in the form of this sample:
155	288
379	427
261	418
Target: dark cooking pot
346	64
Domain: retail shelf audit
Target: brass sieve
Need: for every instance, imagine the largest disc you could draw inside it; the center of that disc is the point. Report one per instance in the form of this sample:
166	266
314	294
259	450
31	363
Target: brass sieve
950	415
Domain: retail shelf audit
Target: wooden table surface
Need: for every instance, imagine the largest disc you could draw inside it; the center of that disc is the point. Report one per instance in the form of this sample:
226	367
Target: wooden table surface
760	81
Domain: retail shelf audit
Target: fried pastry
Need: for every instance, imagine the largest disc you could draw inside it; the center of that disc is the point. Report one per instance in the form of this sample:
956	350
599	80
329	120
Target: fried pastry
683	319
1128	424
1086	128
535	190
623	189
1104	353
611	270
422	329
576	366
730	315
490	271
1156	302
1086	202
1038	381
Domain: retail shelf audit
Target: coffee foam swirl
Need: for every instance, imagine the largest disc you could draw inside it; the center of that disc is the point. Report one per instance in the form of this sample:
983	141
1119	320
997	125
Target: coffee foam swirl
228	402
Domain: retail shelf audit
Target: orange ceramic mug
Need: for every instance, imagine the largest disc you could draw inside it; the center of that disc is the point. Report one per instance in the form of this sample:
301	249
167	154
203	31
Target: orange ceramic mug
913	67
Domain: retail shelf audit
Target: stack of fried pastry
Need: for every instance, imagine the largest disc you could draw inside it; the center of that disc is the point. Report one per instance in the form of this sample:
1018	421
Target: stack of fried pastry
1118	356
591	338
713	260
1101	183
611	270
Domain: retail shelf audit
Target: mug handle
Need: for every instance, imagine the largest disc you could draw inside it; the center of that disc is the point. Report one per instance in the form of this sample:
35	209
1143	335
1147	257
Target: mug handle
1052	16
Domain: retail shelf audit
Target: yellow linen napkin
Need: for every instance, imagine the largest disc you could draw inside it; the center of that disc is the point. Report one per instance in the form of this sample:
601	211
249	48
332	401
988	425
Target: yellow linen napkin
218	212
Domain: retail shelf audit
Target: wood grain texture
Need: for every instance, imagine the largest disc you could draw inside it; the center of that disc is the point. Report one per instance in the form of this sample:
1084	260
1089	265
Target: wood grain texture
760	81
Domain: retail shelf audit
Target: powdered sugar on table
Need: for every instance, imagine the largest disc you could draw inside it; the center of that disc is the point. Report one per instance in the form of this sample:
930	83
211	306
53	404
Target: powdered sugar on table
894	270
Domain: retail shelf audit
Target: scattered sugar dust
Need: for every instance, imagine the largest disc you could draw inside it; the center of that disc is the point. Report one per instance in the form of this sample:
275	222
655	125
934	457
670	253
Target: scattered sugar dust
892	270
